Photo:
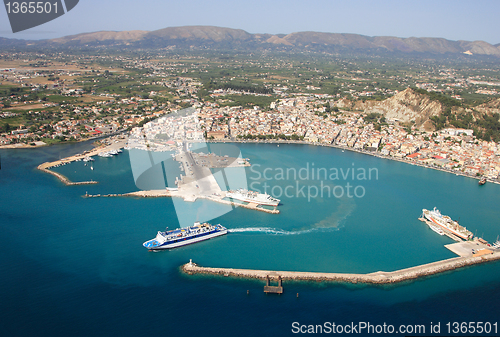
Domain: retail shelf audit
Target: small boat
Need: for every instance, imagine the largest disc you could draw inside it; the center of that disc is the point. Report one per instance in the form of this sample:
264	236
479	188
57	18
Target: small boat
496	244
482	181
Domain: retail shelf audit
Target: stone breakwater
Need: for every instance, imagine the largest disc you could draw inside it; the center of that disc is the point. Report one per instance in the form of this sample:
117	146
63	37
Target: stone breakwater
63	178
372	278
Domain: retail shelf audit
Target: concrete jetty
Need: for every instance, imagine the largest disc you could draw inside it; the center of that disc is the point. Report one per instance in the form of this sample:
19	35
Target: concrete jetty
379	277
185	196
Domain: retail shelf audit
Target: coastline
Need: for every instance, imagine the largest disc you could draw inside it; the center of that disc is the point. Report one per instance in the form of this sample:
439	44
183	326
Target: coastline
28	146
370	153
378	277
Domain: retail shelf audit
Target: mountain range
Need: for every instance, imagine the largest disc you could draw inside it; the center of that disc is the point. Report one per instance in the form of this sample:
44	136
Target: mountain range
218	37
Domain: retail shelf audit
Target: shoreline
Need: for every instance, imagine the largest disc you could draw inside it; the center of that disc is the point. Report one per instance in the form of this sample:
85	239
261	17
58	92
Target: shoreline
376	278
374	154
369	153
36	146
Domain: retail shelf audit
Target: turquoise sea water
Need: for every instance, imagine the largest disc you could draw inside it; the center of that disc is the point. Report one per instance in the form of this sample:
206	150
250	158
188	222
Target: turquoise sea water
74	266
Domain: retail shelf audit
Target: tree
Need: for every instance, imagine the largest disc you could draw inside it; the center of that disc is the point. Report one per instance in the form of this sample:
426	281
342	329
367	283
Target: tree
5	128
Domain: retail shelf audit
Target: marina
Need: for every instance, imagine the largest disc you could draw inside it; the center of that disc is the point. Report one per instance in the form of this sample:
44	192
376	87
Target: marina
86	156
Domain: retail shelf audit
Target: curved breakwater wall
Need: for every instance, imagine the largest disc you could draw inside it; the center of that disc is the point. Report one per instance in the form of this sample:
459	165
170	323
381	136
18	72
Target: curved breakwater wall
64	179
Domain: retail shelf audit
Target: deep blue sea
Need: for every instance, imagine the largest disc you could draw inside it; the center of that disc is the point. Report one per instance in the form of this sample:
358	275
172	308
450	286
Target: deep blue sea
74	266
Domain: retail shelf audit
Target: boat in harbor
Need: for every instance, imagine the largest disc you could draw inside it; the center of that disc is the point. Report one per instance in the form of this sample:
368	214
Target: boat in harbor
482	181
184	236
104	154
253	197
435	228
496	244
447	224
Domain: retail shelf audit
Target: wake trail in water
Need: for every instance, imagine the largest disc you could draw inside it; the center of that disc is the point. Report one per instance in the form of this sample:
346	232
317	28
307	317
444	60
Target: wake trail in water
275	231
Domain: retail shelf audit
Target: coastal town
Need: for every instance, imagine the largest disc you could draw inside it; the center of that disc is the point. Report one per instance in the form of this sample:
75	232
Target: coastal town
294	120
48	101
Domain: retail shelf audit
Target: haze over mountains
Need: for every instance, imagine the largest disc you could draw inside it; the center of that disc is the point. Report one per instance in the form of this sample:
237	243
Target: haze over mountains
218	37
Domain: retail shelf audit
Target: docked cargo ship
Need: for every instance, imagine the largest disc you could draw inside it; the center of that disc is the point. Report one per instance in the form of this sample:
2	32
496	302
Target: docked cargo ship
447	223
253	197
184	236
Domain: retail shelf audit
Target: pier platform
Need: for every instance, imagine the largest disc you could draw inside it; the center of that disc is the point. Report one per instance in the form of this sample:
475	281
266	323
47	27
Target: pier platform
269	289
467	248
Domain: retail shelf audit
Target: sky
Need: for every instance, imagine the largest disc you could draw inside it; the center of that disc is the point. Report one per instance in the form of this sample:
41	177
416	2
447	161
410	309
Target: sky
451	19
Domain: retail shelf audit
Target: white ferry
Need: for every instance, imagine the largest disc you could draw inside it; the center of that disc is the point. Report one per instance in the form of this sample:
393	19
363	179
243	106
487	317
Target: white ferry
447	223
253	197
184	236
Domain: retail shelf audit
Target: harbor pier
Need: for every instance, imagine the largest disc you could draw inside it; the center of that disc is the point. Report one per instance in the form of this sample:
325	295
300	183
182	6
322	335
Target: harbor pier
379	277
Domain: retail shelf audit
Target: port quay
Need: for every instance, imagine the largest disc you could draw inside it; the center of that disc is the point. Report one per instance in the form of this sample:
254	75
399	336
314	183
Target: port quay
197	183
470	252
